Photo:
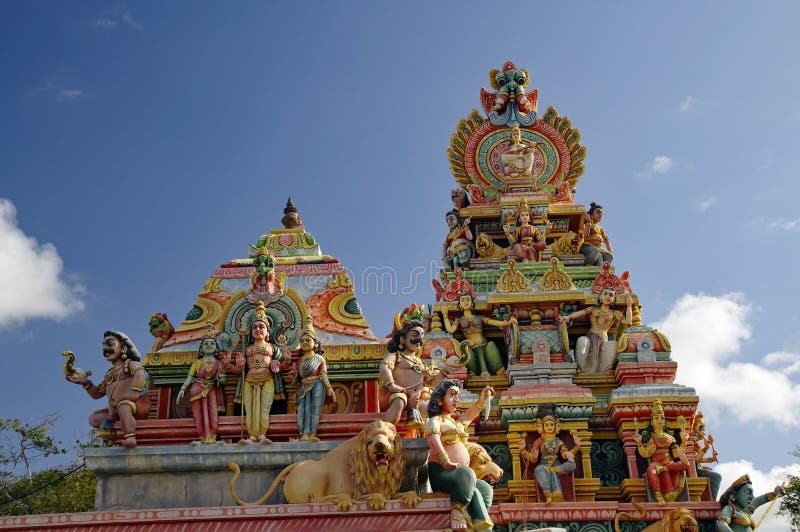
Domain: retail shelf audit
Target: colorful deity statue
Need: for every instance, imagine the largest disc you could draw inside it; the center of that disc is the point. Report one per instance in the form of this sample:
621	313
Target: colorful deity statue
667	463
264	284
527	241
593	352
312	376
702	444
738	505
518	158
449	461
553	456
510	85
596	248
404	375
124	385
457	249
260	383
204	384
484	357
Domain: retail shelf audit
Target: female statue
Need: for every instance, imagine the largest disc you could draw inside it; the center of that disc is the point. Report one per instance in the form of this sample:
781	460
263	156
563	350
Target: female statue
448	464
738	505
204	383
702	444
484	357
457	249
553	456
667	465
526	239
518	158
591	352
312	373
596	247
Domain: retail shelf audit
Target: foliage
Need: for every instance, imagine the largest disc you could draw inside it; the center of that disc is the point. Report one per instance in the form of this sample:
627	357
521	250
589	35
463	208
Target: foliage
790	502
61	489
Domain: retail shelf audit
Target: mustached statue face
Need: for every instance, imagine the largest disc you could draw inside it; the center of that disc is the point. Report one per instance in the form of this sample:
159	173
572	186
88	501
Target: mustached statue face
112	348
413	339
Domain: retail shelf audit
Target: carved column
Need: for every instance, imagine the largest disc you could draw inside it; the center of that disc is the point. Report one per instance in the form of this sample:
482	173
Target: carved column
630	453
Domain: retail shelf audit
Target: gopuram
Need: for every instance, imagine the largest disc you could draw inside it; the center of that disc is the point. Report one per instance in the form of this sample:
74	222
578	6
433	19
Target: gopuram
527	395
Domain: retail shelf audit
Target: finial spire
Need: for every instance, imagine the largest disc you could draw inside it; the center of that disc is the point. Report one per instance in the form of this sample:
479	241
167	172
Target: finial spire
291	219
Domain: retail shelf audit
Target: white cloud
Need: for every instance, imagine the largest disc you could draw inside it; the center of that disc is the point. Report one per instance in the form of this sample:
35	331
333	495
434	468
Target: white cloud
127	18
786	361
689	102
763	481
707	334
71	95
32	276
661	164
785	225
707	203
105	24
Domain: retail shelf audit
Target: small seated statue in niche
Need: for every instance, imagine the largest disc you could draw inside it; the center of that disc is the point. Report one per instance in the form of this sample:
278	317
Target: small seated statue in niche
457	249
554	459
593	352
527	242
738	505
596	248
667	463
518	158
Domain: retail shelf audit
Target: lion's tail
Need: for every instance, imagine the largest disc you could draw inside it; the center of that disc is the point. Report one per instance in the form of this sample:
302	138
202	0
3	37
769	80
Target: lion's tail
642	513
236	471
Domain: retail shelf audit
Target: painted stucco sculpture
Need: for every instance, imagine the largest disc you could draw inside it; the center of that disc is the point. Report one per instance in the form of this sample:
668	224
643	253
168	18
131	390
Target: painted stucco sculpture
667	463
260	382
551	457
739	504
368	466
124	385
404	374
526	239
204	388
703	443
458	248
596	248
449	460
313	384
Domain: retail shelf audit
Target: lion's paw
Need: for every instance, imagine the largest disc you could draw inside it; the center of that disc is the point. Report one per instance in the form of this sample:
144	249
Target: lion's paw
411	499
376	501
344	502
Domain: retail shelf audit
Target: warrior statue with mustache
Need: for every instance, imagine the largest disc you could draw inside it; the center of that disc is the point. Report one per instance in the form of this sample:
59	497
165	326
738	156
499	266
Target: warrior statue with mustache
125	386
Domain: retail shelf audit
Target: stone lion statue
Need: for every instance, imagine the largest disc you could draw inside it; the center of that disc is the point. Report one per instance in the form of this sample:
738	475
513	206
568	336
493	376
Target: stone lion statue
482	463
568	245
487	249
674	520
367	466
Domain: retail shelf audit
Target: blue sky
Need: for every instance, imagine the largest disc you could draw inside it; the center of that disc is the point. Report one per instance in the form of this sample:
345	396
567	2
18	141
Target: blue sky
149	143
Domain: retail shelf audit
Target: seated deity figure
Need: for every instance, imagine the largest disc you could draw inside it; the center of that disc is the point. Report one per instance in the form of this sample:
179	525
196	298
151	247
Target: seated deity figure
484	357
124	385
593	352
596	248
526	239
518	158
404	375
457	249
261	383
738	505
667	463
552	455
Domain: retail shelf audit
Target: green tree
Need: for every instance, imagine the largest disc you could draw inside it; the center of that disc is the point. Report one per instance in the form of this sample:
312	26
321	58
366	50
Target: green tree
790	503
62	489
